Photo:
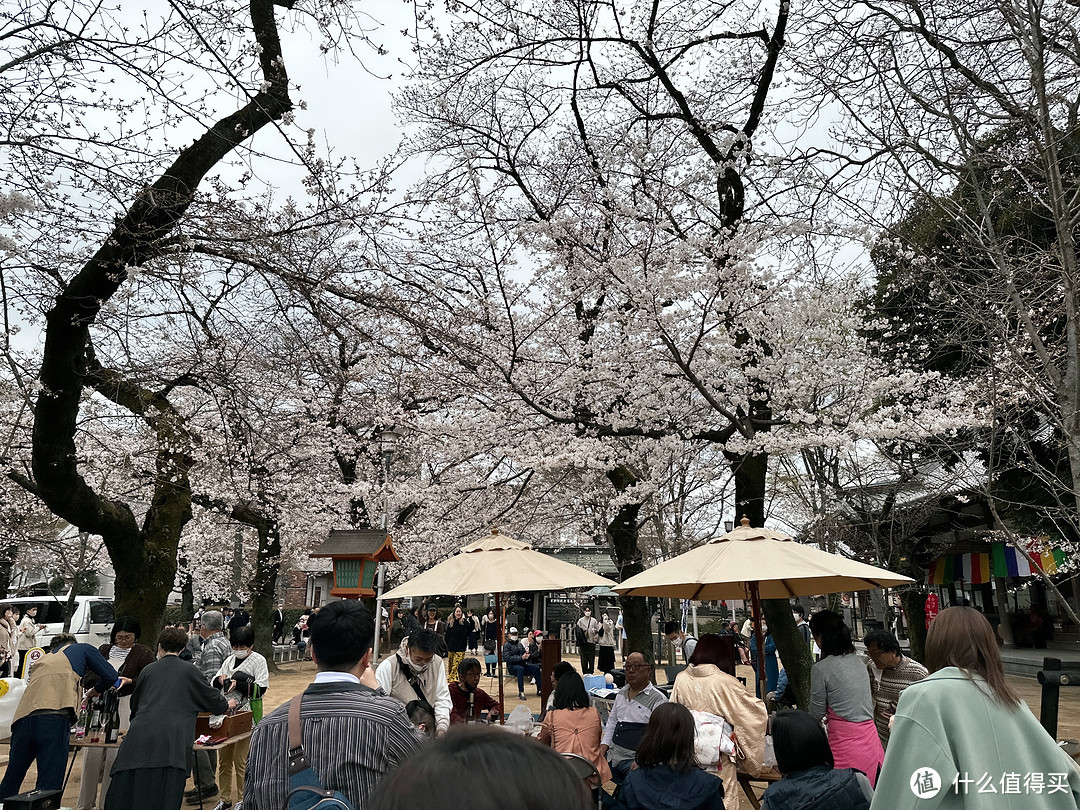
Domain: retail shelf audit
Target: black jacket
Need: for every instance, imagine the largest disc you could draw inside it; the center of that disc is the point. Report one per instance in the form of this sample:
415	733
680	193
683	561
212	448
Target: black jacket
168	697
664	788
513	653
820	788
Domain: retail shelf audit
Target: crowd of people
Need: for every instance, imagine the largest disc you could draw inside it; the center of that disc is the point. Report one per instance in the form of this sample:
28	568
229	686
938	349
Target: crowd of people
879	732
17	638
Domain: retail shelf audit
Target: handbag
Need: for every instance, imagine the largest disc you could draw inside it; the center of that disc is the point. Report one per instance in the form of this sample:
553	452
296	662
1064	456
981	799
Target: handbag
489	646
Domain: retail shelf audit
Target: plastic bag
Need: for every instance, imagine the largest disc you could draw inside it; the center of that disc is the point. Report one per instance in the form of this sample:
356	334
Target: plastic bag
11	691
520	720
769	760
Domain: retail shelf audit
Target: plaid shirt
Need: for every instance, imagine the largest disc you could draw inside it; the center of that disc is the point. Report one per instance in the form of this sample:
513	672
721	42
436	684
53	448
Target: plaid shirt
214	652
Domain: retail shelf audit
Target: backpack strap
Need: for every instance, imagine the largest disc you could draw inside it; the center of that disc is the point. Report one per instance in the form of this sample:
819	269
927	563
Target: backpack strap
298	760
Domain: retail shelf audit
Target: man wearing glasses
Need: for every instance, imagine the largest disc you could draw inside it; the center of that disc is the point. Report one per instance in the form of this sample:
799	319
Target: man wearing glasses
898	672
629	716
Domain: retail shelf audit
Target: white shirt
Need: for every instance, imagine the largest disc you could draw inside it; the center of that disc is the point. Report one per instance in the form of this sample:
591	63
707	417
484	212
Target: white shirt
335	677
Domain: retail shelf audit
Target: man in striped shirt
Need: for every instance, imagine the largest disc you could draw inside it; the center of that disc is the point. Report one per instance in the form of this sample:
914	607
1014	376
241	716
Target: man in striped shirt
353	733
898	672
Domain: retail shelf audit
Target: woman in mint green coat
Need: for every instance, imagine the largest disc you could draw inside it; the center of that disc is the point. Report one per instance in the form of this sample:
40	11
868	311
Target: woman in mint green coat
961	738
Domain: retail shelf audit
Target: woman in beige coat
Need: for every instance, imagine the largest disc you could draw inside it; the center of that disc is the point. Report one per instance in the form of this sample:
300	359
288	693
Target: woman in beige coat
706	686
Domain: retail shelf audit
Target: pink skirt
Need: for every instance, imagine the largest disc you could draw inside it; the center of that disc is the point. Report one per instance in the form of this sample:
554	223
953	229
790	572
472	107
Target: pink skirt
855	745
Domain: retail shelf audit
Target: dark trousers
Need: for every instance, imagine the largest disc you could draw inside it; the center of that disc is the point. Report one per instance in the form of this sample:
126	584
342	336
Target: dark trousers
41	737
521	670
605	661
162	788
206	774
588	655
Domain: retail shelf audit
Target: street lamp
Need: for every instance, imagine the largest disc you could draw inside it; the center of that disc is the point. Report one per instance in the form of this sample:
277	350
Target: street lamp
388	442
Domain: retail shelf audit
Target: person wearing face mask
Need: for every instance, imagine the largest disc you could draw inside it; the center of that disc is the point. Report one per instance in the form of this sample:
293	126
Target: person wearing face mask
238	678
516	658
419	675
471	703
129	659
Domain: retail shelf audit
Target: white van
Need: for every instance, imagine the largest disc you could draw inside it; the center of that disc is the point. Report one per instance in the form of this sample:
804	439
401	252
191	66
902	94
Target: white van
91	622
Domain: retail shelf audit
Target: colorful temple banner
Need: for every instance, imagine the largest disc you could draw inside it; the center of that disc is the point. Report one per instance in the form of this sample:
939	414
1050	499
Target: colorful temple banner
1002	561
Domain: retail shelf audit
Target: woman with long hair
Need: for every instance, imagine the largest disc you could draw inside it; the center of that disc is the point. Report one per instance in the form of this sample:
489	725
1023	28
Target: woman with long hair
457	641
708	684
840	693
491	639
573	725
966	732
811	782
667	774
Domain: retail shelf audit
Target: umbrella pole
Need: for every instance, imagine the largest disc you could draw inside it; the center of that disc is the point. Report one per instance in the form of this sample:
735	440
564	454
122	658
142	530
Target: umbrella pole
755	606
500	611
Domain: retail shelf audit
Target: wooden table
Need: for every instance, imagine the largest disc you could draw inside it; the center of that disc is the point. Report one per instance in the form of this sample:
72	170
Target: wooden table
745	780
75	743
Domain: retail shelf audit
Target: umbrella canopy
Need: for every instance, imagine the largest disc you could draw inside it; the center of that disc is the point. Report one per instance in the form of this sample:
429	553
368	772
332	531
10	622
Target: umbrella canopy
759	564
724	568
498	564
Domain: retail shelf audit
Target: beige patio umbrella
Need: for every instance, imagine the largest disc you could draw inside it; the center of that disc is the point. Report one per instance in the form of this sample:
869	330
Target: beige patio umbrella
498	564
755	564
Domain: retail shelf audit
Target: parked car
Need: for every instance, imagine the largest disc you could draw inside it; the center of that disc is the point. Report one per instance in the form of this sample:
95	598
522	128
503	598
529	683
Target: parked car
91	622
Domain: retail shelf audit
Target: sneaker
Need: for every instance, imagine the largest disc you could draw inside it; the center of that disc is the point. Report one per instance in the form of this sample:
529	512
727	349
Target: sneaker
521	696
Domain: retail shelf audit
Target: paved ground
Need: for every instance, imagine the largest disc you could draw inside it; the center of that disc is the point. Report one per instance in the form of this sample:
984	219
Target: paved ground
295	676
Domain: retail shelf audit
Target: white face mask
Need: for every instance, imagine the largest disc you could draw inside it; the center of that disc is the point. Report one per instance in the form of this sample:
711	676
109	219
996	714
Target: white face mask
513	638
241	654
418	667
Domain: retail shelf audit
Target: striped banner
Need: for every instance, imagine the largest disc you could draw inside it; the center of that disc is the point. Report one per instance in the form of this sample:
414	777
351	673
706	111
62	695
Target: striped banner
1002	561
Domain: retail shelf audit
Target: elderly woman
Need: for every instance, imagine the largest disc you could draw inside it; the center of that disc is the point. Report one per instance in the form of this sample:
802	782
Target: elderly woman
706	685
840	693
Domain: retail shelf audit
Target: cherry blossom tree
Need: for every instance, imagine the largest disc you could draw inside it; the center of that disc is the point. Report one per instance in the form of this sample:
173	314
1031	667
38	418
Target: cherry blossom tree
114	203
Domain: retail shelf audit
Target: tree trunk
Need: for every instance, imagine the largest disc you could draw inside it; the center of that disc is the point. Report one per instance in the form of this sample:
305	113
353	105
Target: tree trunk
145	577
750	480
267	568
914	604
7	561
623	534
187	596
144	558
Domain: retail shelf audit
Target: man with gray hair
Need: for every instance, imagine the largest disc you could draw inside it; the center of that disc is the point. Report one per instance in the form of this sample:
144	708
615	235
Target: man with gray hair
215	649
